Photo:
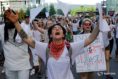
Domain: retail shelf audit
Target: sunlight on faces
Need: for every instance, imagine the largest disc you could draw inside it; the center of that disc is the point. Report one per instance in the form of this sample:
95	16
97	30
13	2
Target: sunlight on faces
49	23
40	23
57	32
87	26
27	20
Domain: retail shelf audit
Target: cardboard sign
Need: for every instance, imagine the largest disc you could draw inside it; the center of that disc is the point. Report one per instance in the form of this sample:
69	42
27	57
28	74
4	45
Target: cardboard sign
94	57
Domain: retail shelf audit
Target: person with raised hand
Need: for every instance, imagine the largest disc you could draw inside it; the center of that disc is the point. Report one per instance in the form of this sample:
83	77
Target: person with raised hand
17	64
58	64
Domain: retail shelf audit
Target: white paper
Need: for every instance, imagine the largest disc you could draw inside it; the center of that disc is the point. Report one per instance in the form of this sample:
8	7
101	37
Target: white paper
103	25
94	57
99	9
47	14
34	12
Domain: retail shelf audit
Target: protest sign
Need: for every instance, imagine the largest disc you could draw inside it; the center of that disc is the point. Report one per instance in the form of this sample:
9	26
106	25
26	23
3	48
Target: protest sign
94	57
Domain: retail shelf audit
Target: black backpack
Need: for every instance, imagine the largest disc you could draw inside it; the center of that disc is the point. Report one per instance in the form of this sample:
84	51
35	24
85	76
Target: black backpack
44	66
2	58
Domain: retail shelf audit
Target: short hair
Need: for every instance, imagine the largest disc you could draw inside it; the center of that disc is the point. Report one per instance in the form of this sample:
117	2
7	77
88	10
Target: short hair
50	31
27	16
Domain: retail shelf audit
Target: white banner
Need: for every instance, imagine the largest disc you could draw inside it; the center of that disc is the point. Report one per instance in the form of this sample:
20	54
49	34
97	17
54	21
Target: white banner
47	14
103	25
94	57
64	7
34	12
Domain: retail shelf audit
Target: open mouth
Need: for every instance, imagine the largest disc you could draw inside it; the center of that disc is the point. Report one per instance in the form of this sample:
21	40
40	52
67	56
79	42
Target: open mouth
57	33
87	27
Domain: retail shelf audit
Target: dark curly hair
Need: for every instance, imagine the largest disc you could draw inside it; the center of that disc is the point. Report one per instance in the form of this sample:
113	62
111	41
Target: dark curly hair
50	31
8	25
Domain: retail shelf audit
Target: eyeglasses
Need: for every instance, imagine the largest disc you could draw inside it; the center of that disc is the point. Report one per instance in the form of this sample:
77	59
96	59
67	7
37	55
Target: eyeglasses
87	24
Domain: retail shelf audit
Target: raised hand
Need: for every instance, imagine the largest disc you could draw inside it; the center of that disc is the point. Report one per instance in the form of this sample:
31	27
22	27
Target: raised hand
35	25
11	15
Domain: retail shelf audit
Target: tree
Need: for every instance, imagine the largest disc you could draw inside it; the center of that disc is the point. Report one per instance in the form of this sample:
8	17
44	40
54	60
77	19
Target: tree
52	10
43	10
38	1
83	9
60	12
28	12
21	14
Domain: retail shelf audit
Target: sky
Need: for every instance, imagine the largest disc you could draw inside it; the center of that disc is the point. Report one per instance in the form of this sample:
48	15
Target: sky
89	2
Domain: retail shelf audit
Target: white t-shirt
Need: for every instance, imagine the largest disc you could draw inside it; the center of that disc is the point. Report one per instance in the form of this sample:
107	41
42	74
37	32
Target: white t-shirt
59	69
75	27
27	29
105	39
37	36
16	56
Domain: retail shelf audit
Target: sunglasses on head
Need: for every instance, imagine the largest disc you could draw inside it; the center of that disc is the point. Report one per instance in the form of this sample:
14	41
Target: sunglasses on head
87	24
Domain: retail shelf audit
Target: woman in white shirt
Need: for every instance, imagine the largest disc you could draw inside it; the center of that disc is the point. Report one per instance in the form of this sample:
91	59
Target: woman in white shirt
58	64
87	28
17	64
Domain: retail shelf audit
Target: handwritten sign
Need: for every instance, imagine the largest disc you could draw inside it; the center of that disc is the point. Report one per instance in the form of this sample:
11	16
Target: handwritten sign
94	58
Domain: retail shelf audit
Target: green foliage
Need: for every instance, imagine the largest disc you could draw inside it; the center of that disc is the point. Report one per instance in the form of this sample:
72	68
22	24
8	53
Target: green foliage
38	1
28	12
21	14
1	15
83	9
43	10
52	10
60	12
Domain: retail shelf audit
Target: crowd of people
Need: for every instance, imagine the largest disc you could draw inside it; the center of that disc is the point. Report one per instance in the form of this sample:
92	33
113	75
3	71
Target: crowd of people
25	44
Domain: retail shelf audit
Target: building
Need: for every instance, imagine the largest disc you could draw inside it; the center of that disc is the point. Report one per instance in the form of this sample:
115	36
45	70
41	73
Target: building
17	4
13	4
111	6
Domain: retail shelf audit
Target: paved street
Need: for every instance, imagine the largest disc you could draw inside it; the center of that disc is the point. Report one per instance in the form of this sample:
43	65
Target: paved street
114	71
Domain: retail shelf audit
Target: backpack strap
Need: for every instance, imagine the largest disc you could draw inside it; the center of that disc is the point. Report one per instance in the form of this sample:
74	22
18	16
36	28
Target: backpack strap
47	57
72	67
69	52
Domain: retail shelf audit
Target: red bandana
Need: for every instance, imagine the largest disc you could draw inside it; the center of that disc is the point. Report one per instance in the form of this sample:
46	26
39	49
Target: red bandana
56	50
